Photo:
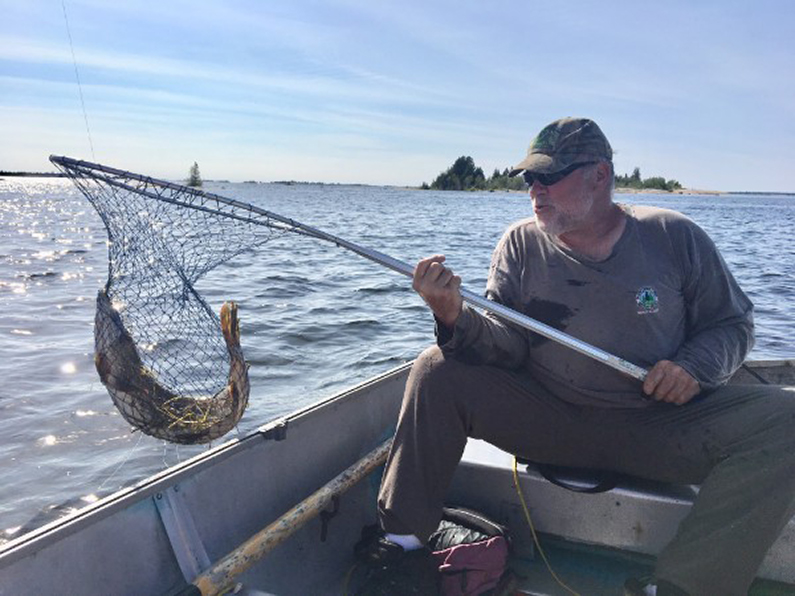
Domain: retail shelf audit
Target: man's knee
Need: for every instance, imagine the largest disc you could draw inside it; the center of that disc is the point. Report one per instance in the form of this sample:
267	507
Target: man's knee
783	420
432	369
769	417
441	384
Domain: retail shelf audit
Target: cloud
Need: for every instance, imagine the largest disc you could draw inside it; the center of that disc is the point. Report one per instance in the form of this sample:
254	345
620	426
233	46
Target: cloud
326	77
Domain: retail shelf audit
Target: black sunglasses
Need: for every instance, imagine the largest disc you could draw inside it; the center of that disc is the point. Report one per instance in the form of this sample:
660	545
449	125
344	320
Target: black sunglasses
550	179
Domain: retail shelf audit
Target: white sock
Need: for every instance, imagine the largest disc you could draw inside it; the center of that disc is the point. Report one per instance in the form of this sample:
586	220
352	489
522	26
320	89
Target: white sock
407	541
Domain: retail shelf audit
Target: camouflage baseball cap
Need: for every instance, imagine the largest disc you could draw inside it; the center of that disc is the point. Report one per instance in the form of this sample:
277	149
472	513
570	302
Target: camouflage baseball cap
565	142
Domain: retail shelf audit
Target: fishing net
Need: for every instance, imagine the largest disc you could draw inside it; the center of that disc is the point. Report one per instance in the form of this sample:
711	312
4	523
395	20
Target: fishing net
173	367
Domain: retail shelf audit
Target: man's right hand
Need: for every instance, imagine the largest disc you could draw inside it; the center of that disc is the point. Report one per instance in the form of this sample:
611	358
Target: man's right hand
440	288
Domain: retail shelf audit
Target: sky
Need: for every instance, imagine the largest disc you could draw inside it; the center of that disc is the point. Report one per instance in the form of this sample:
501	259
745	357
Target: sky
384	92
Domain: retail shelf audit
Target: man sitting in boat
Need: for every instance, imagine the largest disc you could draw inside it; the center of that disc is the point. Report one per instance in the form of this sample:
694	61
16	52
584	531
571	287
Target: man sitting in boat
643	283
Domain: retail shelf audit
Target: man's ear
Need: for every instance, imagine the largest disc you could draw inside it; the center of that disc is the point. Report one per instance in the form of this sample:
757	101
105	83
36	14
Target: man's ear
603	173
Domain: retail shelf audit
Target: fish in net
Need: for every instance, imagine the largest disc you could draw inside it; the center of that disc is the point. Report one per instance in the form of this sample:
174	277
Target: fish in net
174	369
155	408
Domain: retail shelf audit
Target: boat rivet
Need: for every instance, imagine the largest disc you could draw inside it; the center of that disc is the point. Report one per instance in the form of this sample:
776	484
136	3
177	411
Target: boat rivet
176	488
158	496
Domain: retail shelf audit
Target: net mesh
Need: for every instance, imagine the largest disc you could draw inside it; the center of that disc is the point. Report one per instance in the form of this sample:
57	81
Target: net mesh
173	367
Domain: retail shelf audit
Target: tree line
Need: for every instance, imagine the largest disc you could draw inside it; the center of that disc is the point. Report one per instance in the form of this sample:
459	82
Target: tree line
465	175
655	182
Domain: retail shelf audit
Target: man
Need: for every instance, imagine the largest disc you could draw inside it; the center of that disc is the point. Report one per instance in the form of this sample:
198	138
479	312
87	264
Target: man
645	284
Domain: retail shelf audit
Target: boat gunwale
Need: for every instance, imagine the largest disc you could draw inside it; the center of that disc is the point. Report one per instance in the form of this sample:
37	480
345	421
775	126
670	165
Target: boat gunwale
782	362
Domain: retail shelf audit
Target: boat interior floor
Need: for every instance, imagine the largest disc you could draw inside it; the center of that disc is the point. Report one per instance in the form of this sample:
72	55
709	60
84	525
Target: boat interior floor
586	571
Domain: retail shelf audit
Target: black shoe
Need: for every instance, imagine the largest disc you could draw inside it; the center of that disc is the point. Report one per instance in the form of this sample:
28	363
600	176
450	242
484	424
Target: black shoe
393	571
639	587
647	587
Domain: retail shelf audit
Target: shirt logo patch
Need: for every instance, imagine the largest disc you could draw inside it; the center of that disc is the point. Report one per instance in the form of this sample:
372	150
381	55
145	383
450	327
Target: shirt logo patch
647	300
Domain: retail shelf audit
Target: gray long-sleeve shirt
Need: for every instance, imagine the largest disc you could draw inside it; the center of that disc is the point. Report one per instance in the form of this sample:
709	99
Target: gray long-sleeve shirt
664	293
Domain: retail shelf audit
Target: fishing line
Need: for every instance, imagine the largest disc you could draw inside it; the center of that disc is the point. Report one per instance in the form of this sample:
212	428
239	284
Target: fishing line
77	76
121	465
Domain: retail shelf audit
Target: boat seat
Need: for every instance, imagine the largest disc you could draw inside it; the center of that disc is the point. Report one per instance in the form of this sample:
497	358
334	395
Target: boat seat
576	480
579	480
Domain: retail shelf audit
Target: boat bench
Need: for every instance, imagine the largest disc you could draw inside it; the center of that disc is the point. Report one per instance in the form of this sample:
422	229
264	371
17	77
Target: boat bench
615	511
635	516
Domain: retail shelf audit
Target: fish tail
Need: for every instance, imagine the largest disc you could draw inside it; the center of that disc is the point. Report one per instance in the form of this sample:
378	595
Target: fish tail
230	324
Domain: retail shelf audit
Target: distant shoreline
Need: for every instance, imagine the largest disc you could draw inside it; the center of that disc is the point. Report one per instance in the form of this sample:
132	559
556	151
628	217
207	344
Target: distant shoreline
694	191
635	191
625	190
619	189
32	175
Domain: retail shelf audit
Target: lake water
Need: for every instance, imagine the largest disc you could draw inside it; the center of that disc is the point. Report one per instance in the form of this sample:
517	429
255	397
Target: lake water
315	319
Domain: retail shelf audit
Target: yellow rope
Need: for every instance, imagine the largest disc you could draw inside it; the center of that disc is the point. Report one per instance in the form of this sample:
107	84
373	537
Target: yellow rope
533	529
347	583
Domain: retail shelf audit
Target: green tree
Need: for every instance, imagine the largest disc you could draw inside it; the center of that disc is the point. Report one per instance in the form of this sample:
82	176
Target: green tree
465	175
462	175
502	181
655	182
673	185
194	177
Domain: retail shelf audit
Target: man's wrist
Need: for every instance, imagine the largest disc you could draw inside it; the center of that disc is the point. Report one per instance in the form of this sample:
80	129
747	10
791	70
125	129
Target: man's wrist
444	333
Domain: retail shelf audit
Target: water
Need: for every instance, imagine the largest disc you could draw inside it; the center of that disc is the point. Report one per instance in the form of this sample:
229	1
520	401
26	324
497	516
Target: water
315	319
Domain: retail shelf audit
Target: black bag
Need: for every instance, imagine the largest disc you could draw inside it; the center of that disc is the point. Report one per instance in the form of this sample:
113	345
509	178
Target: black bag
472	553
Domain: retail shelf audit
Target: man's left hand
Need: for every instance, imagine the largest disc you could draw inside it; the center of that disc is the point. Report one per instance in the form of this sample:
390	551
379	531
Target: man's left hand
670	383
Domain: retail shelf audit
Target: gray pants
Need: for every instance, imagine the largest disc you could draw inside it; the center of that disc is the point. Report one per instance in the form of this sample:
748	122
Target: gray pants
738	443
